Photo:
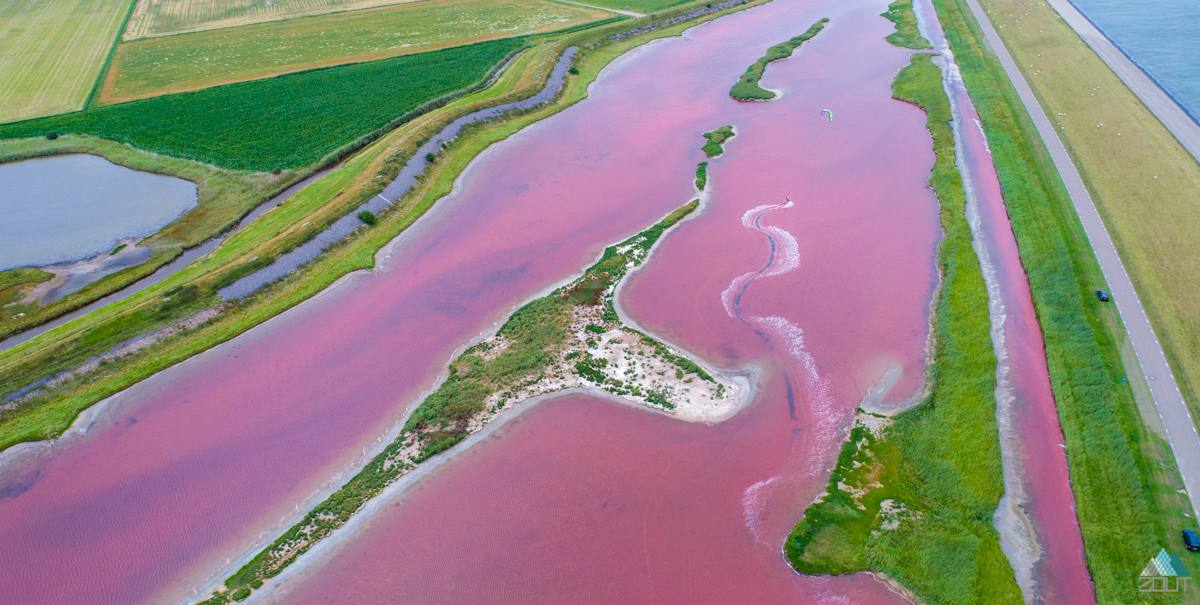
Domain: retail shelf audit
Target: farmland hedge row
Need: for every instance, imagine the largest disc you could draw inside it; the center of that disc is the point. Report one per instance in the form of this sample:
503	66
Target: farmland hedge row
290	121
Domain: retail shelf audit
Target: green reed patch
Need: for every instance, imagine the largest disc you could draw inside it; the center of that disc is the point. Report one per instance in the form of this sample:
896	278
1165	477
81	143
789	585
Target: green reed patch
915	500
747	88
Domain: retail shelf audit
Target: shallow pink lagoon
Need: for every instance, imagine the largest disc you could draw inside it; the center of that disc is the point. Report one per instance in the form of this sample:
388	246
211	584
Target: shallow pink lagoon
579	498
583	499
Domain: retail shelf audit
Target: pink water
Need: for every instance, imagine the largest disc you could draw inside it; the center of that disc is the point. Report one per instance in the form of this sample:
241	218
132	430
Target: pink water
584	500
1037	465
579	499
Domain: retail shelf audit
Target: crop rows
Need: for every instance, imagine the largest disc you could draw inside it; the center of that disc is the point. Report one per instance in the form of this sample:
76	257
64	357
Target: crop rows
289	121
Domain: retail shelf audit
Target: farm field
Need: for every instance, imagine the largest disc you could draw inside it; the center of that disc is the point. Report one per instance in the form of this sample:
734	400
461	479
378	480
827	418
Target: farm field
52	51
641	6
209	58
261	126
1145	184
164	17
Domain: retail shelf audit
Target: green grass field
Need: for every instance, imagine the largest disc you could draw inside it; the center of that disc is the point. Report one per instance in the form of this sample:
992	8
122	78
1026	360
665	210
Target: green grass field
290	121
52	51
214	57
165	17
915	500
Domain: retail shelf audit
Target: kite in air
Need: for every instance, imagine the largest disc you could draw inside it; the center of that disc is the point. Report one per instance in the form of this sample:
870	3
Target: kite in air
828	112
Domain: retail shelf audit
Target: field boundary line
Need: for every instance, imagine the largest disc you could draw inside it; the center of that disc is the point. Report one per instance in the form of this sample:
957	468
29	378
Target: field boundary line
112	52
633	14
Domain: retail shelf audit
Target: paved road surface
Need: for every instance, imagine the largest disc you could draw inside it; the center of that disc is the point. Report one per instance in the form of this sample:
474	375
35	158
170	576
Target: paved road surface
1181	431
1186	130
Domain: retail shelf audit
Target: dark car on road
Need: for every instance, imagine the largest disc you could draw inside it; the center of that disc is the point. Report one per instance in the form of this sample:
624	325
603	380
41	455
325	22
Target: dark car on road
1190	540
1102	295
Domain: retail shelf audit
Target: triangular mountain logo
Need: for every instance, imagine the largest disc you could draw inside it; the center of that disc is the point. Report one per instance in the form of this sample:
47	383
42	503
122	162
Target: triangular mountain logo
1165	565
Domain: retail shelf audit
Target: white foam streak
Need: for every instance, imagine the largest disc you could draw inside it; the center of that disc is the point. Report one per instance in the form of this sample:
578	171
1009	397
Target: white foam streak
787	252
729	296
753	501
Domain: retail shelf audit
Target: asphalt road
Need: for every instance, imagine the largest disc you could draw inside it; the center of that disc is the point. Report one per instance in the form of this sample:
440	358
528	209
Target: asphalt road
1181	431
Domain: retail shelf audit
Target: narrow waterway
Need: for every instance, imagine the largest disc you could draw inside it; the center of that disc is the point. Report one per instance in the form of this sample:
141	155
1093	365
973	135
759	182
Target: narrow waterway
1036	518
581	499
578	498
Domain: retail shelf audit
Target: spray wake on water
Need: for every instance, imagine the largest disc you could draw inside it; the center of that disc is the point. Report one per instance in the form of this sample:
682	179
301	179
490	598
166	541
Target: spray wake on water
787	338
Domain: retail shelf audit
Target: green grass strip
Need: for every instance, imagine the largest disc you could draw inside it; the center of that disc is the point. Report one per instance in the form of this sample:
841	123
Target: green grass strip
1096	409
747	88
17	277
108	59
916	501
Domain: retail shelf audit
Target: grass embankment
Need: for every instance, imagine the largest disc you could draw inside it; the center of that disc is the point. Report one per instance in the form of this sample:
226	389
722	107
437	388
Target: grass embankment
747	88
224	197
1153	221
1122	477
360	178
907	33
288	122
915	499
180	63
51	52
534	340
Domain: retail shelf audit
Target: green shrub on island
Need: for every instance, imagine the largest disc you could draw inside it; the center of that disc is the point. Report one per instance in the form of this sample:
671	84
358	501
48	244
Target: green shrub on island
288	121
747	88
715	139
701	175
907	35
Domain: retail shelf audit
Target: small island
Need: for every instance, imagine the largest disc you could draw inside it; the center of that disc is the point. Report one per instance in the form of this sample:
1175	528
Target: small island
747	88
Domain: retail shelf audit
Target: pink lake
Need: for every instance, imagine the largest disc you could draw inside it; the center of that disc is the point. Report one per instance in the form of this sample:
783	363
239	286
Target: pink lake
578	498
582	499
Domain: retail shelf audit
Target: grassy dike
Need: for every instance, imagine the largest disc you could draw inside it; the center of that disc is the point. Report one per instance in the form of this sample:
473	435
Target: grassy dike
52	412
1119	474
532	347
913	496
1144	183
747	88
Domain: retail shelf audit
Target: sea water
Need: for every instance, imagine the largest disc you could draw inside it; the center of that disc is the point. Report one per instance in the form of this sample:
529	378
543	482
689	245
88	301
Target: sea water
1160	36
